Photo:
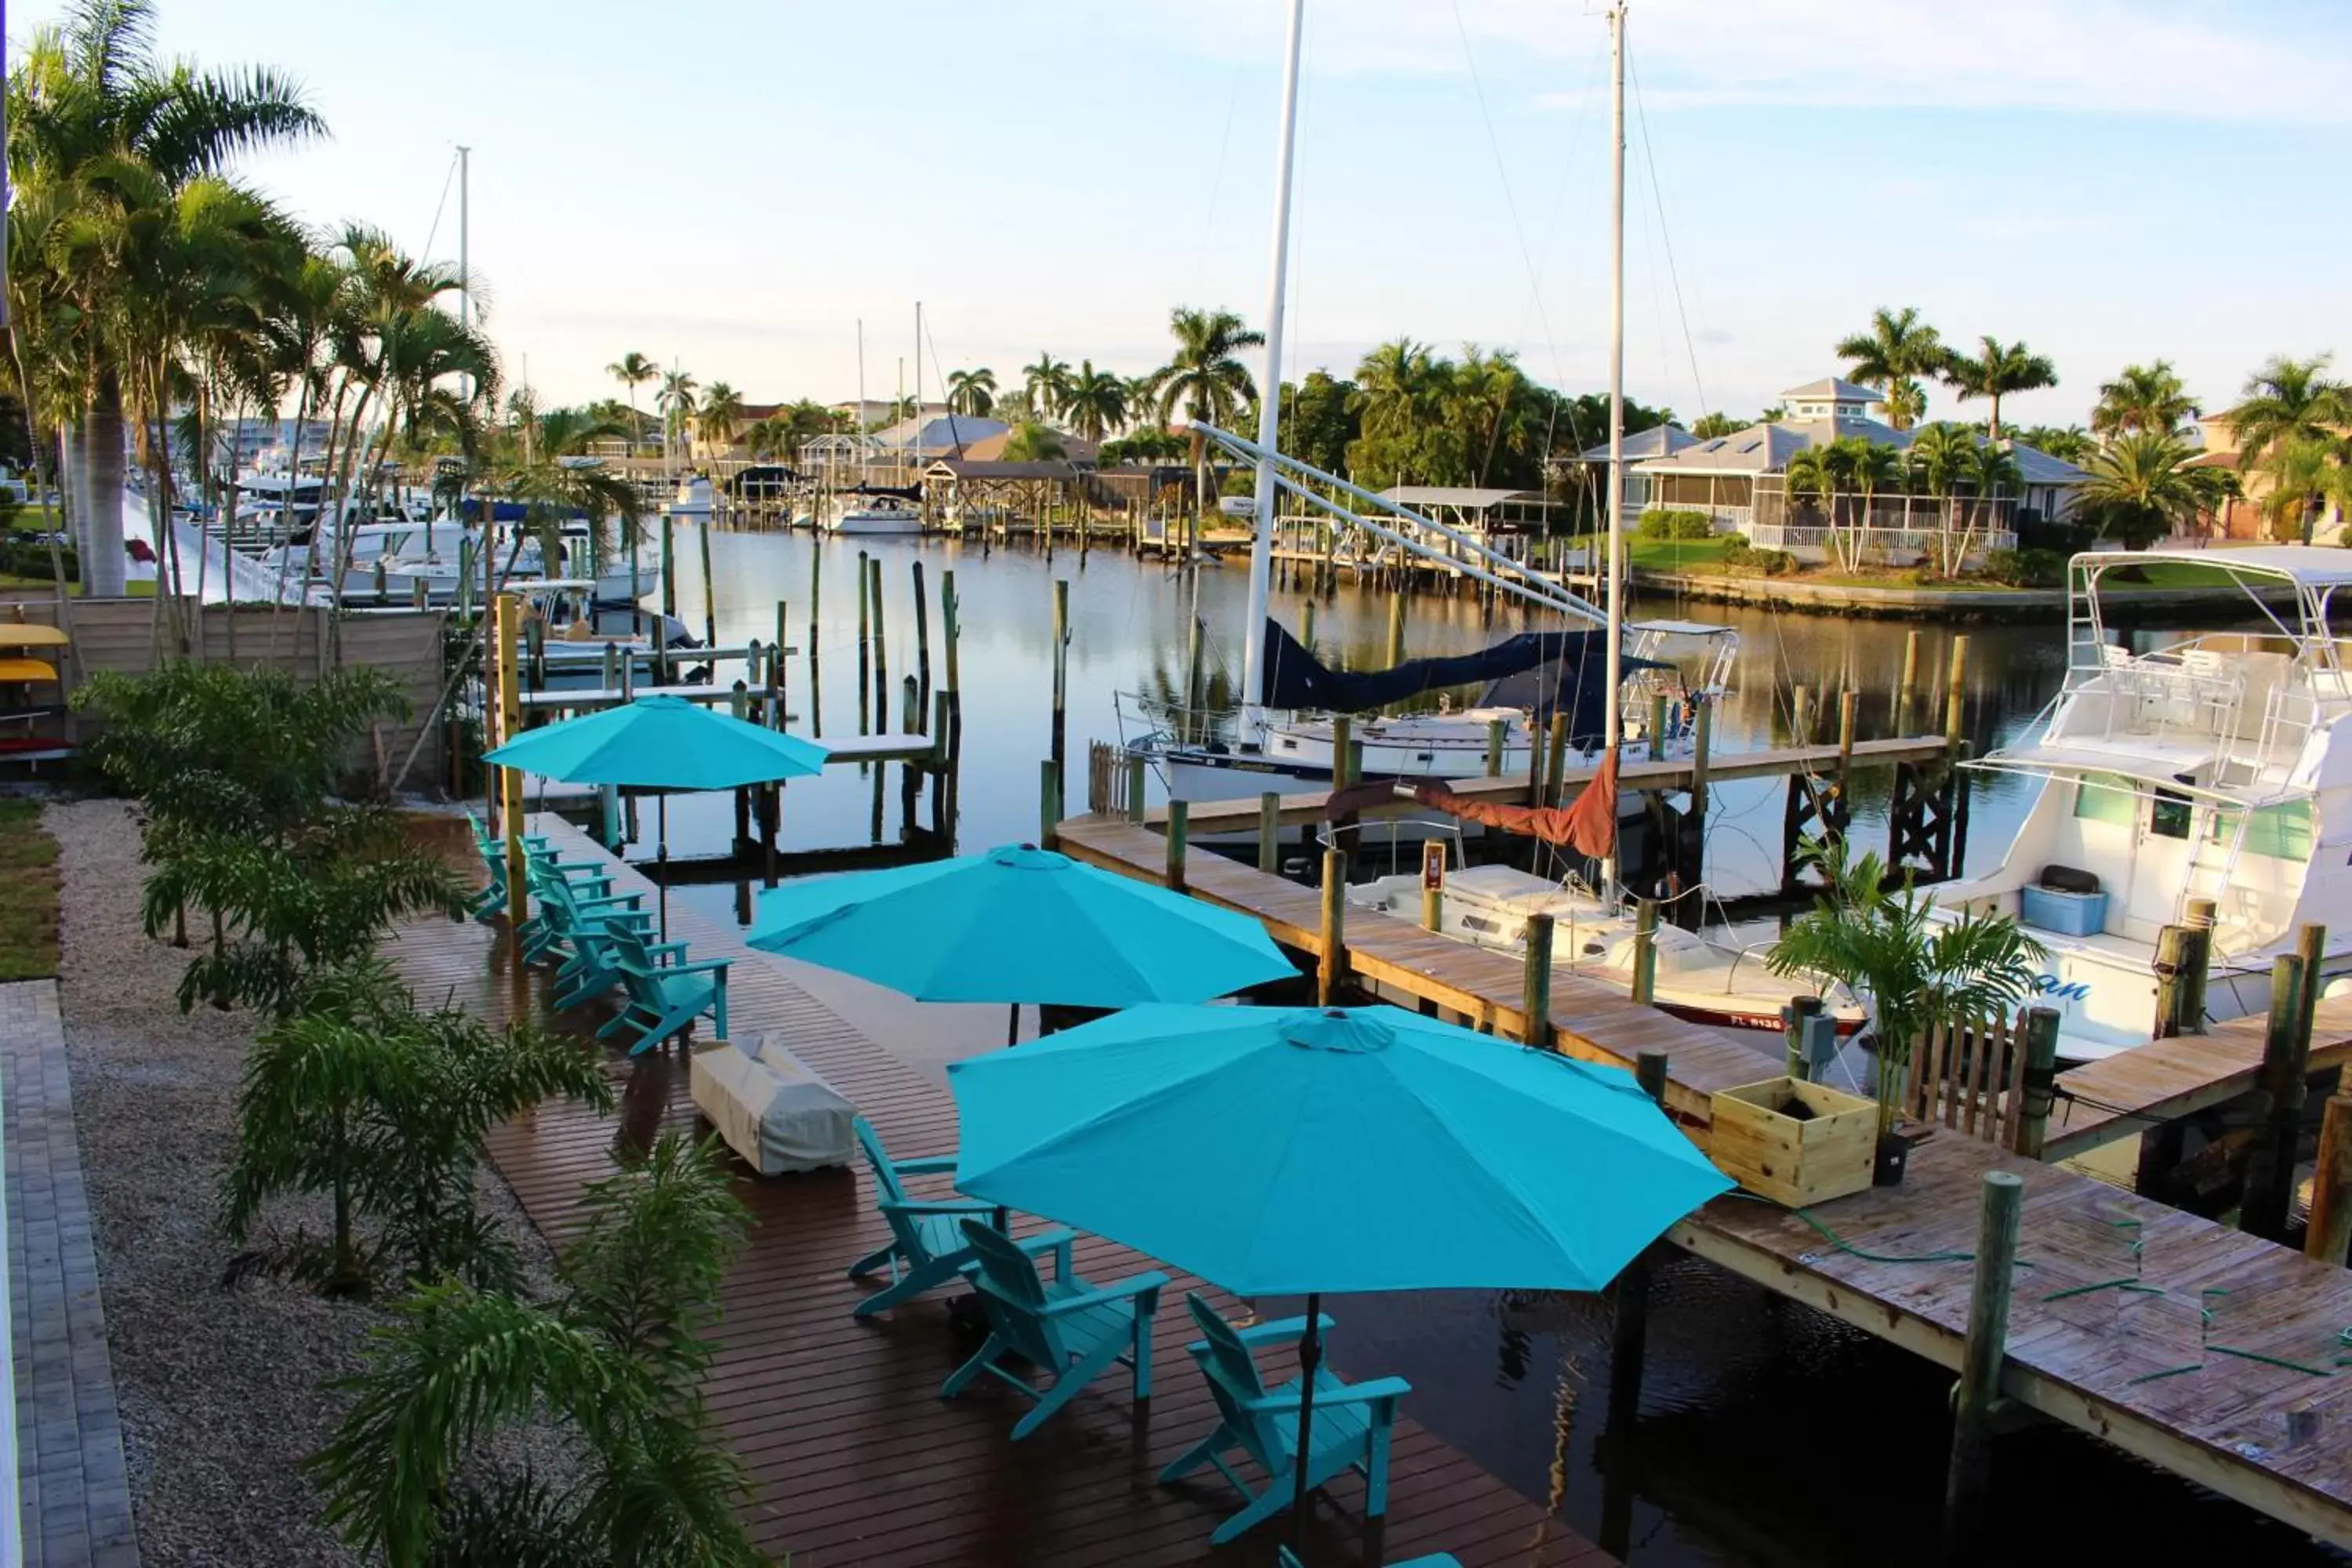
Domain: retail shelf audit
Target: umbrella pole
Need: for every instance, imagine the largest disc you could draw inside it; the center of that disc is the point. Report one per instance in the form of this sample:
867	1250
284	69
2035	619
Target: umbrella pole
1012	1029
661	830
1310	1358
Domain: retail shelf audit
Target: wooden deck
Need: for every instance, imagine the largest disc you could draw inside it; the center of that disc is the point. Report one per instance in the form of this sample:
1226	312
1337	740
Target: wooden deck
854	1458
2125	1093
2081	1350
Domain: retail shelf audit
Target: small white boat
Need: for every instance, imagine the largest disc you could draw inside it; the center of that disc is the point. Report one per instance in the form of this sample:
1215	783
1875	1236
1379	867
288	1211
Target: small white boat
693	497
852	513
1705	981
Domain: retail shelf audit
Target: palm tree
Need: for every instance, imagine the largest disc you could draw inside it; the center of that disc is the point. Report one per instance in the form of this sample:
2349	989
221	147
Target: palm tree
1942	458
2142	488
90	104
2143	399
1033	443
1871	468
1708	426
1991	473
721	410
2292	414
2068	443
1095	404
1205	379
632	371
1488	399
676	402
1918	971
1899	347
1998	370
972	392
1046	382
1815	471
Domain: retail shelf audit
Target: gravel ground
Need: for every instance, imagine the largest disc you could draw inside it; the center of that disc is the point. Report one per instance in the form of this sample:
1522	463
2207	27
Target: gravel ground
218	1387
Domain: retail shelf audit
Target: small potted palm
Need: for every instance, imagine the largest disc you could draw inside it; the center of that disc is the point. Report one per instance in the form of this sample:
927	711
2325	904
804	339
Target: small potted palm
1917	971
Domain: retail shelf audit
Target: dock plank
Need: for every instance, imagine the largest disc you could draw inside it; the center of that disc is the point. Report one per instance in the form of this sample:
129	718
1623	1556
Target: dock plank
854	1458
2123	1094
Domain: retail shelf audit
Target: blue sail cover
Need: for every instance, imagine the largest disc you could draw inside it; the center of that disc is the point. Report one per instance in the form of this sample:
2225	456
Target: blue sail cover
1544	672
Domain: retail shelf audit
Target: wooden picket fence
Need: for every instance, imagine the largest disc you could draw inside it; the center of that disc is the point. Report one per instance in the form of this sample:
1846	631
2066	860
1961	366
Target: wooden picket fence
1971	1077
1105	779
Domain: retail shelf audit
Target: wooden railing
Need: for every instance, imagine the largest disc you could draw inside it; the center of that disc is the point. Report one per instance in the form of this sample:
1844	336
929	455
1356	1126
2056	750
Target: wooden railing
1972	1078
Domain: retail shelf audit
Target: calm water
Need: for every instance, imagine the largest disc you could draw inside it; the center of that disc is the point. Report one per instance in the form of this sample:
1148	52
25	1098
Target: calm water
1769	1434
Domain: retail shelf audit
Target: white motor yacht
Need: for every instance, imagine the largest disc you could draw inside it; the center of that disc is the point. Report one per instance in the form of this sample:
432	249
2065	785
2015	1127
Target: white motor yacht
2214	768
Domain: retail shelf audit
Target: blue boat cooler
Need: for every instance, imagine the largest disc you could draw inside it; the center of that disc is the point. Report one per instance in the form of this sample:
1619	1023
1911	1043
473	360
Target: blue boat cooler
2063	901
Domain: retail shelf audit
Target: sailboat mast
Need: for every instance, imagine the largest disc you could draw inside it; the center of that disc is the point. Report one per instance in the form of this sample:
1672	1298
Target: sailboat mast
861	400
916	455
1269	418
464	269
1615	729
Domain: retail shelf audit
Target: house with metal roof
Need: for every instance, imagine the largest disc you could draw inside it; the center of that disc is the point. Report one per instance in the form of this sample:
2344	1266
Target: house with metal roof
1742	480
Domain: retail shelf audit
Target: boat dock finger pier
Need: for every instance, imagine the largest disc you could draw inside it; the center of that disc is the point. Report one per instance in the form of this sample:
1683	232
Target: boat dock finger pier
2210	1352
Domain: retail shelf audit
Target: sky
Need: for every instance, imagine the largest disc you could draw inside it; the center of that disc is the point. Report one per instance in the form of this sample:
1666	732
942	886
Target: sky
733	186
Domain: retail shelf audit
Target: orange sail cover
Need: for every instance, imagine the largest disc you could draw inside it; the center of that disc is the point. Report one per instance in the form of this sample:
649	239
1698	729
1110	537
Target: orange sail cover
1588	825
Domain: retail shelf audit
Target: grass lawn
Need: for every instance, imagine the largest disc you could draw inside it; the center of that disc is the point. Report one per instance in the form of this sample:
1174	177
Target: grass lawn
138	590
29	893
1676	555
2175	574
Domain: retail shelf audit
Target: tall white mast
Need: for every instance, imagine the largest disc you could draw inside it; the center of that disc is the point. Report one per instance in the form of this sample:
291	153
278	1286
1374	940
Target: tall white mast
908	459
1269	418
465	268
861	400
1616	728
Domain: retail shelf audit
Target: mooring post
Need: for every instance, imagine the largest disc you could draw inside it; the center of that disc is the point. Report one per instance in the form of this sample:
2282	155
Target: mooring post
1793	1014
739	705
1135	786
709	589
1433	884
1978	1394
668	564
2330	1231
1629	1335
1556	765
1645	951
1534	985
507	622
1801	723
2041	1083
1306	625
1331	966
1396	629
951	623
864	643
1906	695
1342	751
1061	667
1956	686
1269	832
922	636
2197	964
1849	711
1179	830
1495	730
2172	945
881	654
2270	1172
1657	726
1194	659
1049	803
1702	744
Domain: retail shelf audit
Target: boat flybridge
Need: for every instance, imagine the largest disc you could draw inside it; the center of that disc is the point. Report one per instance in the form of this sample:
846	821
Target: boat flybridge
1227	752
2217	768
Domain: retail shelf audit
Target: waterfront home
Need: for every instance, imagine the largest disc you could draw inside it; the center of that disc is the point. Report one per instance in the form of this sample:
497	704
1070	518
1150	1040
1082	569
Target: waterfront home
2251	514
1658	441
1740	481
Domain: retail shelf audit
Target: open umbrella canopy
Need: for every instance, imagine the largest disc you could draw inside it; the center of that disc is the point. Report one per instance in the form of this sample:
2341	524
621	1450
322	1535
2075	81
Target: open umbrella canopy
1017	924
661	743
1290	1151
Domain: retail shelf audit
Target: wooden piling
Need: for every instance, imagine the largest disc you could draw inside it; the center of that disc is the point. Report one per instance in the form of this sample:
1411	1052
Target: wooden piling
1193	702
1269	832
1342	751
1657	725
1331	966
1978	1394
2286	1048
1702	744
2172	945
2330	1231
865	644
1306	626
1956	686
922	636
668	564
1849	713
709	588
1179	832
1494	731
2197	964
1800	719
1136	774
1645	951
1906	695
1061	667
1396	629
739	707
780	712
507	623
1629	1335
1049	803
2040	1085
950	624
881	652
1555	760
1535	983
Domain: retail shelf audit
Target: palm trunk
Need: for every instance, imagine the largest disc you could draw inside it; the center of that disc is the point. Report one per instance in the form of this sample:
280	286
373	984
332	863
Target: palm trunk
327	508
103	571
294	469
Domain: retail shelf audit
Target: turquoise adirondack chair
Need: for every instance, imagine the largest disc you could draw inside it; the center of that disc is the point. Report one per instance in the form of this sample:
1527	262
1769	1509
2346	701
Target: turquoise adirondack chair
576	928
1284	1557
1351	1430
493	849
662	993
531	935
927	1249
1067	1329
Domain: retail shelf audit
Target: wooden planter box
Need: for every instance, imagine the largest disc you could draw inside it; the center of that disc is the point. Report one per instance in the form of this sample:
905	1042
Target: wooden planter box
1798	1162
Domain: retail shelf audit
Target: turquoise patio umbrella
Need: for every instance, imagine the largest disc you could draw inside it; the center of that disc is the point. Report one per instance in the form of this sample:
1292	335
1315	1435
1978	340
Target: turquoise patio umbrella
661	743
1303	1151
1017	924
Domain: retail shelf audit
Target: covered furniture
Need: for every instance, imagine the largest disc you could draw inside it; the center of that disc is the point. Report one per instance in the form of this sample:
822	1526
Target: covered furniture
774	1112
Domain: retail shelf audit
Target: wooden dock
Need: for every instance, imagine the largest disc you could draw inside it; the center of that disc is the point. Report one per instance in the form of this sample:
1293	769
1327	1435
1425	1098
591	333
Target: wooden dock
854	1458
2163	1080
2251	1405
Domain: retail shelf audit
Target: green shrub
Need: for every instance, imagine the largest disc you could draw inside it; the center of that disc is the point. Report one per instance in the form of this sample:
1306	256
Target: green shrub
1773	562
1736	551
2026	568
1657	522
